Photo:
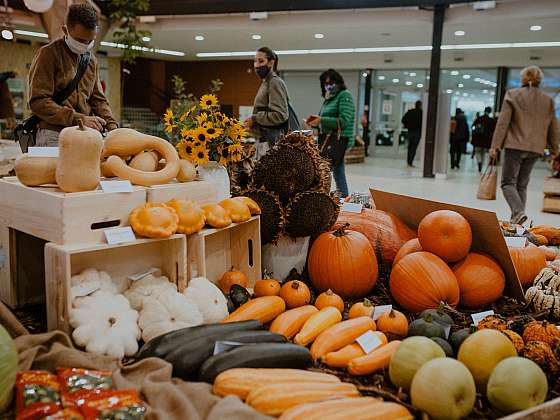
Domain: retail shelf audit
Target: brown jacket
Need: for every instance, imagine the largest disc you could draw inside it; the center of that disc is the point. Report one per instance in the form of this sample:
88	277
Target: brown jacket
53	67
527	122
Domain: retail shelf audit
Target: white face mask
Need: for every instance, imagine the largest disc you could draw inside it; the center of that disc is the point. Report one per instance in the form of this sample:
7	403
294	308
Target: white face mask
77	47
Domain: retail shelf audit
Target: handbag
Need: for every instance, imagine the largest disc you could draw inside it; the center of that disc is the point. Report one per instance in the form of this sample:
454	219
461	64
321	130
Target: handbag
488	182
26	132
332	146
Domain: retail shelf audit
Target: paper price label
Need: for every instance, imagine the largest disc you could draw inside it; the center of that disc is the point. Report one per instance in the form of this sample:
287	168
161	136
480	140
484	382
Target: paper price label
222	346
119	235
42	152
116	186
380	310
480	316
447	330
352	207
369	341
81	290
516	241
520	230
142	274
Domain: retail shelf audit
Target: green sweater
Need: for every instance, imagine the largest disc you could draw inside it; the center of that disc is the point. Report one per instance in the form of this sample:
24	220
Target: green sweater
340	106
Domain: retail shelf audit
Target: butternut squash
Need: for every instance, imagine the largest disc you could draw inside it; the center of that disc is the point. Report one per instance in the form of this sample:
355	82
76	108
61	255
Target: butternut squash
275	399
340	335
240	381
124	142
237	210
187	171
378	359
317	323
290	322
145	161
341	358
364	408
79	153
263	309
35	171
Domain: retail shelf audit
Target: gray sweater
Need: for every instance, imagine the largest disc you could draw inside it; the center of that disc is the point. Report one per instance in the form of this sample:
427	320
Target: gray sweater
271	103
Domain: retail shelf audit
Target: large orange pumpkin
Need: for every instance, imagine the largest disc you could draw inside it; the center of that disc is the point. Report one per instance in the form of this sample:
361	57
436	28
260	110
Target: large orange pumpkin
481	280
422	281
343	261
446	234
386	233
408	248
528	263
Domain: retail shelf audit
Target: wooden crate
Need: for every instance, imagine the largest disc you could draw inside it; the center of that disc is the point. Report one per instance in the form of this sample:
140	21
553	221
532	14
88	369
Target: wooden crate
65	218
122	260
546	411
551	204
202	191
214	251
551	186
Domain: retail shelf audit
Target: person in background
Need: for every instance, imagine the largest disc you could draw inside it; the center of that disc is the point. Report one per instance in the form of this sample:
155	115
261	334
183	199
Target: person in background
6	99
270	111
482	132
527	125
337	115
52	69
412	121
366	130
459	136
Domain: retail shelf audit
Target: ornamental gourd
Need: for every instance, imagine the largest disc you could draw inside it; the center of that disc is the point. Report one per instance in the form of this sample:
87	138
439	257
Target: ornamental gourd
191	215
329	298
154	220
79	153
528	263
231	277
295	293
446	234
544	295
208	298
34	171
481	280
343	261
216	216
542	331
421	281
363	308
124	142
267	287
393	323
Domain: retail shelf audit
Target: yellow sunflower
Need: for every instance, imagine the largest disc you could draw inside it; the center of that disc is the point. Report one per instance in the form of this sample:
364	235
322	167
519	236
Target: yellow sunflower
200	155
208	101
185	149
202	118
200	134
168	116
213	132
235	152
223	153
185	133
237	132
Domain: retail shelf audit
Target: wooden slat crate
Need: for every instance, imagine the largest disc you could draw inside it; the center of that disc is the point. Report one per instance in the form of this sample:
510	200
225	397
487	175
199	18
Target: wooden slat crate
551	204
356	154
551	190
551	186
202	191
214	251
122	260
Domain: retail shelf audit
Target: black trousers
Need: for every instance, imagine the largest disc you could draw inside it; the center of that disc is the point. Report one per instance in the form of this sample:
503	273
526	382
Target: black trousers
456	151
413	141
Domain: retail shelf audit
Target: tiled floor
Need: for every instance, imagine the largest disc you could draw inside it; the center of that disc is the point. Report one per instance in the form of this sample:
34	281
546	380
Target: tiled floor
459	188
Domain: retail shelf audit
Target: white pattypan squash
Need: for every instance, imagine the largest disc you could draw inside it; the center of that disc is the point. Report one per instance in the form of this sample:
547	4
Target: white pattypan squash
106	324
170	311
91	281
146	287
209	299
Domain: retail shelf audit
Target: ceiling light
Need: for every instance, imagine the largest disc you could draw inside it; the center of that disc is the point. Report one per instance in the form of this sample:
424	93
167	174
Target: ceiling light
485	91
420	85
143	49
199	38
256	37
319	36
408	83
381	77
465	94
396	80
459	33
466	76
405	73
493	93
454	73
457	92
536	28
31	33
412	74
449	91
460	85
146	39
7	34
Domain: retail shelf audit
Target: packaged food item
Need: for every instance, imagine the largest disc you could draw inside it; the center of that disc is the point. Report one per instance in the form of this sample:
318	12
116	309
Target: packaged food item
77	384
66	414
37	395
113	405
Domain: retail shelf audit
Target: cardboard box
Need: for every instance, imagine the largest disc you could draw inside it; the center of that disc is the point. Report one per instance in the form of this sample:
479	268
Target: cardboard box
487	235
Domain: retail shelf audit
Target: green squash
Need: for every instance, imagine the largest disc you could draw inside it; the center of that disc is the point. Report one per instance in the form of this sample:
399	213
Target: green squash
8	368
438	315
459	336
445	346
426	327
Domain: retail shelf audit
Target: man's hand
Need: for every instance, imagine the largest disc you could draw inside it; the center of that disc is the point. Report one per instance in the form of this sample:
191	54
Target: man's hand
97	123
493	153
248	122
313	120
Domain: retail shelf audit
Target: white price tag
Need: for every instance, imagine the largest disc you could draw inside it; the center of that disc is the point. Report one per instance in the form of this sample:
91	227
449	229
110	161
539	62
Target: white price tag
42	152
81	290
516	241
380	310
369	341
480	316
447	330
142	274
520	230
222	346
119	235
352	207
116	186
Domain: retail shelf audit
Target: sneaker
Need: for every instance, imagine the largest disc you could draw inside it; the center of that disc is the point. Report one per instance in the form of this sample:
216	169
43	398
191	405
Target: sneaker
521	219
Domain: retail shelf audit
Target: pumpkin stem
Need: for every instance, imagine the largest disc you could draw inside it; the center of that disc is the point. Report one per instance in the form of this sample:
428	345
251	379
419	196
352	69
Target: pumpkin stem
81	125
428	318
295	284
112	320
392	313
267	275
472	328
340	231
329	292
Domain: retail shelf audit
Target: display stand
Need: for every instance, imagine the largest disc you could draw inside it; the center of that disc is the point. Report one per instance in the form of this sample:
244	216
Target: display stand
551	190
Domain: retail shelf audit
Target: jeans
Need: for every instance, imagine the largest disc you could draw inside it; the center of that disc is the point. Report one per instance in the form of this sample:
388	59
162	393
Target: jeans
516	173
339	176
47	138
413	140
456	151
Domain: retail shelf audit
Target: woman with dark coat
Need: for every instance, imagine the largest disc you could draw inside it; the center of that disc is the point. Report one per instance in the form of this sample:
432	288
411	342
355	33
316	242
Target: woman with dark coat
459	137
483	130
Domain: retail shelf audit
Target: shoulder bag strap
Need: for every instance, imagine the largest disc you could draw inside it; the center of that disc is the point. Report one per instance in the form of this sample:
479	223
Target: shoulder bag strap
83	63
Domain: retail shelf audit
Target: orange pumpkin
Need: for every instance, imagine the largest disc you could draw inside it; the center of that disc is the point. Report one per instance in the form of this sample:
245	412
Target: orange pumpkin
446	234
394	324
408	248
231	277
343	261
481	280
295	293
422	281
329	298
385	232
267	287
363	308
528	263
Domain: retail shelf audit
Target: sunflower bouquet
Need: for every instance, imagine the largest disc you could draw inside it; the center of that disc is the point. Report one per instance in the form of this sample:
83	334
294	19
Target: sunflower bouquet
205	134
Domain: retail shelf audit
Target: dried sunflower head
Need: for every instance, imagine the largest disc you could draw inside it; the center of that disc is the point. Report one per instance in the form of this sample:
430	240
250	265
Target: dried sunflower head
311	213
272	214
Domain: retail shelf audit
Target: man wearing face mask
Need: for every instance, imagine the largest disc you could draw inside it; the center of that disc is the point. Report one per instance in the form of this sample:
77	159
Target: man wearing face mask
53	69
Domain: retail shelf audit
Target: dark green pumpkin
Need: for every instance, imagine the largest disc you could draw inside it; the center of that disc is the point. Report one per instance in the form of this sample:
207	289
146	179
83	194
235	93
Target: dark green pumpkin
239	295
427	327
438	316
445	346
459	336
